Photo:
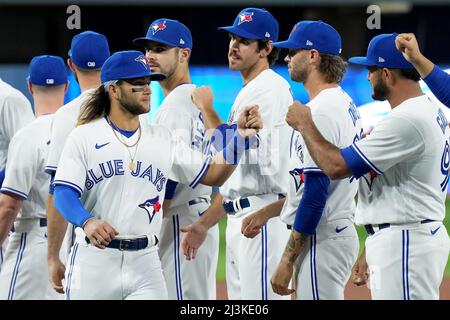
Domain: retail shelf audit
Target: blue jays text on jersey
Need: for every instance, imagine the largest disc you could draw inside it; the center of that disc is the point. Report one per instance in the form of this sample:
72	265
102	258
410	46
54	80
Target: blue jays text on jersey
112	168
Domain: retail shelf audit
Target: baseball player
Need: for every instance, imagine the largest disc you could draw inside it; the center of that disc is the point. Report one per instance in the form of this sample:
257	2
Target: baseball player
402	168
437	80
24	274
260	179
111	184
88	52
15	112
168	46
319	211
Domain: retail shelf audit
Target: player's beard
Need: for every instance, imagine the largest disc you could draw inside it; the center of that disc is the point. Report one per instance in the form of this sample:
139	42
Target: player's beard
132	107
380	91
299	76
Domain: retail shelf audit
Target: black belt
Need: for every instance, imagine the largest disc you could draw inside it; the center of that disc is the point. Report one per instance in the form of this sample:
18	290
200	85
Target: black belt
371	231
229	207
198	200
129	244
42	223
243	203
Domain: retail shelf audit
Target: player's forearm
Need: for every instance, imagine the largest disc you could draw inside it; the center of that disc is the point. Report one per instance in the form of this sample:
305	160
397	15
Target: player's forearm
9	208
218	172
326	155
214	213
56	229
423	65
296	244
273	210
211	118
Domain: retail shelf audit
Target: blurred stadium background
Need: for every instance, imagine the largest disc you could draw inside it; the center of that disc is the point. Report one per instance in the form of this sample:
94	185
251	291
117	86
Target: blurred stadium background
34	27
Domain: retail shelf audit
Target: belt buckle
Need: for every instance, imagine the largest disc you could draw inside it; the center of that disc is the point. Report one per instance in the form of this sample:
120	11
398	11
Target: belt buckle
121	248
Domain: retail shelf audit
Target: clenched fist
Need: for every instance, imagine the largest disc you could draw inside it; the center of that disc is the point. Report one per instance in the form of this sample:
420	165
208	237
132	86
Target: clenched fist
202	97
298	116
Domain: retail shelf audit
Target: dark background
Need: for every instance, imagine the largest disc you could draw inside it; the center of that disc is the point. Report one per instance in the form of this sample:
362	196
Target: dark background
28	30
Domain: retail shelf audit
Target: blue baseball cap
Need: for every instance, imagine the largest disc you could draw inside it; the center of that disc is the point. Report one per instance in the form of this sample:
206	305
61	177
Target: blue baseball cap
313	35
127	65
254	23
89	50
47	71
383	53
167	31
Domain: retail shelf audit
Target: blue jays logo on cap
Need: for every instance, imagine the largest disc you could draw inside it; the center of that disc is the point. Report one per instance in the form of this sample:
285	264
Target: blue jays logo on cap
169	32
127	65
255	24
142	60
245	17
158	26
383	53
310	34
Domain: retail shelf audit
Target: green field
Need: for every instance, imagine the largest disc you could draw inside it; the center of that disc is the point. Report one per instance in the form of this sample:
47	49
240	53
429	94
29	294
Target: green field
361	233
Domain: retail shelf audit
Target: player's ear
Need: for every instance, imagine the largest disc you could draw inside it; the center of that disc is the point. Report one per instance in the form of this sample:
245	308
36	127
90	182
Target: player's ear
314	56
30	87
185	54
71	65
66	86
264	52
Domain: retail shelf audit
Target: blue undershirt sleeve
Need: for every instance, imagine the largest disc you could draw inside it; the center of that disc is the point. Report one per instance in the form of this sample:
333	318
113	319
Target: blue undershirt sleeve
222	135
170	189
439	83
2	177
51	189
312	204
355	162
68	203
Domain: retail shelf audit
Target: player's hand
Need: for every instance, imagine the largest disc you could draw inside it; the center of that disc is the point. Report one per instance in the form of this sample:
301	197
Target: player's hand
360	271
193	239
203	97
407	44
249	121
281	278
56	271
99	232
298	116
252	224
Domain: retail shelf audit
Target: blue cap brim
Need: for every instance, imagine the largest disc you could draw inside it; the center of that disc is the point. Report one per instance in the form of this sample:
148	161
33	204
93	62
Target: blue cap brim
240	32
361	61
287	45
143	40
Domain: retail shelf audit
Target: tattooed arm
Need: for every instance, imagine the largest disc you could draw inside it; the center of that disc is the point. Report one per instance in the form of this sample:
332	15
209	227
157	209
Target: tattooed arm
280	279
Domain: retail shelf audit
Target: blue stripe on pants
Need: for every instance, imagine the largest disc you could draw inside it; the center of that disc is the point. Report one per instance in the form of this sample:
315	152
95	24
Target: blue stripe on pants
23	241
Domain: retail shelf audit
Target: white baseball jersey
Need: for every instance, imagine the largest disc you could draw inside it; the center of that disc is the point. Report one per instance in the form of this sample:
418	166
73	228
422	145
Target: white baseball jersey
296	179
97	166
260	170
337	118
65	120
15	113
408	153
25	176
181	116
